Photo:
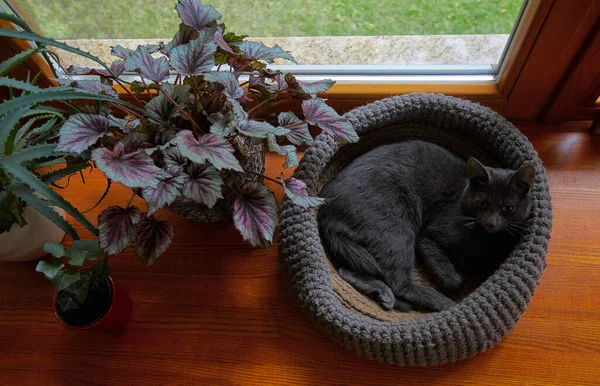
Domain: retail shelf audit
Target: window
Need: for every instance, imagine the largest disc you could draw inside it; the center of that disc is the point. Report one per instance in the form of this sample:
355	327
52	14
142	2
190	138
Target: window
383	37
514	56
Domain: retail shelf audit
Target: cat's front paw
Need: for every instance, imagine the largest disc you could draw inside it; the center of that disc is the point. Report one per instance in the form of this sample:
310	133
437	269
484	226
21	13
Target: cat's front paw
451	281
386	299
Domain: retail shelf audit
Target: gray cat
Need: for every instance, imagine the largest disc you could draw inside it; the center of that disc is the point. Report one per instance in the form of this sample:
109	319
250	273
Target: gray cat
415	199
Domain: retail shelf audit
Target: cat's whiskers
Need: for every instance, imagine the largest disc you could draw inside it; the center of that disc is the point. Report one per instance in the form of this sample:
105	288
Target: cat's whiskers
470	225
510	232
517	230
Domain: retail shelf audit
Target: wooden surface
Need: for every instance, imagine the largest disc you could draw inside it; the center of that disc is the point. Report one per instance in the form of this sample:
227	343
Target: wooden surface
214	311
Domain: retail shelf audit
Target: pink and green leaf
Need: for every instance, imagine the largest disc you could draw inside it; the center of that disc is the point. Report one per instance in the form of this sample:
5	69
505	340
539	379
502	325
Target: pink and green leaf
195	57
208	148
163	194
153	238
255	214
81	131
260	129
196	15
203	185
298	130
259	51
93	86
320	114
134	170
154	69
221	42
229	81
117	228
289	151
317	87
295	189
121	52
184	35
222	124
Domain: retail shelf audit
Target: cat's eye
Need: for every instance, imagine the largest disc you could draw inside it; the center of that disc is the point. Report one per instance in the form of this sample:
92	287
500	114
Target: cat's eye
483	204
507	209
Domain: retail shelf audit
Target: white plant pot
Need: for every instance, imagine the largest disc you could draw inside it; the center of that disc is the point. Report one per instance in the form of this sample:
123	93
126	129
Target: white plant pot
27	243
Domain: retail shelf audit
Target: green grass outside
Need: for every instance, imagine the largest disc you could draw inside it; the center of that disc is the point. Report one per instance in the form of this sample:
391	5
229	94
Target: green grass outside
122	19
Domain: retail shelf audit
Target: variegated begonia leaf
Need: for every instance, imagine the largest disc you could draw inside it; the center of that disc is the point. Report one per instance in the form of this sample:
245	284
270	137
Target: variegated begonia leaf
316	87
121	52
222	124
298	130
164	193
255	214
203	184
117	228
196	15
221	42
134	170
260	129
295	189
227	79
240	115
320	114
184	35
208	148
81	131
289	151
92	86
173	158
195	57
161	110
130	143
259	51
154	69
117	67
153	238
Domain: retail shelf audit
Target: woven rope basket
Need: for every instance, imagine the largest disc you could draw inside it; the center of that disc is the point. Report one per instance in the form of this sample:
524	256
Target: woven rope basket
483	314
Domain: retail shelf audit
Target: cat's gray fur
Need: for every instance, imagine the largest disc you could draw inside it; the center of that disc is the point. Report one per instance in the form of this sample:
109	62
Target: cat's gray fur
415	199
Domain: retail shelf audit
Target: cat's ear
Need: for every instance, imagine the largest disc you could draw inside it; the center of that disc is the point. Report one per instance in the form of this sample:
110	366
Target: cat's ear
522	180
477	172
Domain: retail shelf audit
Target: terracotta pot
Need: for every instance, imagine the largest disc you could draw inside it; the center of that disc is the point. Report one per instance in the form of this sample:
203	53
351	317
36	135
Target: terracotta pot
27	243
116	318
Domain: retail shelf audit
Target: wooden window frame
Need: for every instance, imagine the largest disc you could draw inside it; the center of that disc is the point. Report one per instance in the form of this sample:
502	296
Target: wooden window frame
543	75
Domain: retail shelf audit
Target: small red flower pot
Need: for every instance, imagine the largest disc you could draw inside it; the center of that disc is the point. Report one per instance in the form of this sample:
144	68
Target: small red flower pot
108	313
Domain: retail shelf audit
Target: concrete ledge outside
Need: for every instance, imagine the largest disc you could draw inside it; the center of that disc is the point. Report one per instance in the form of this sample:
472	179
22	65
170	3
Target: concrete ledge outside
340	50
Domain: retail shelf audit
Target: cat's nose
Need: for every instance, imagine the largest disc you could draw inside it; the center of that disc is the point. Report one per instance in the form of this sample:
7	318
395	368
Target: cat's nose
492	224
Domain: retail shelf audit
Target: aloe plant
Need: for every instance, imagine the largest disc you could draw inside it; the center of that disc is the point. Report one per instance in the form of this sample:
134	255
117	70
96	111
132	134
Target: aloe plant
31	164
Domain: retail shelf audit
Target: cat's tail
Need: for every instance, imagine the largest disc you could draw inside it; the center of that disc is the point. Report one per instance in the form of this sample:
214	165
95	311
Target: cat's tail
345	252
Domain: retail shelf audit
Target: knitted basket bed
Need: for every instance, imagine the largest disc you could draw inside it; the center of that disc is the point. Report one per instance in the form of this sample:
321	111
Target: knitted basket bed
482	317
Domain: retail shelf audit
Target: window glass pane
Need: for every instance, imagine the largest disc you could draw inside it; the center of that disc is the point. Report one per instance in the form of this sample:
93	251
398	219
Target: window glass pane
390	32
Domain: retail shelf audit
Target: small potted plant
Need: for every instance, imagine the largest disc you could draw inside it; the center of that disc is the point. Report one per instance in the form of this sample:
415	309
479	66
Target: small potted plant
31	211
32	172
85	298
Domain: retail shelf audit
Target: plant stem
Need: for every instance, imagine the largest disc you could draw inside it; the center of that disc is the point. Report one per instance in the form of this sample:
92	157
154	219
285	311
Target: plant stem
126	110
177	78
258	106
183	112
128	91
263	176
146	87
131	199
295	125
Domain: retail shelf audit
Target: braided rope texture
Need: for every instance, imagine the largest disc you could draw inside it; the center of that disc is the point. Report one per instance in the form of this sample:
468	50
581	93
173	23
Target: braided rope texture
482	318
